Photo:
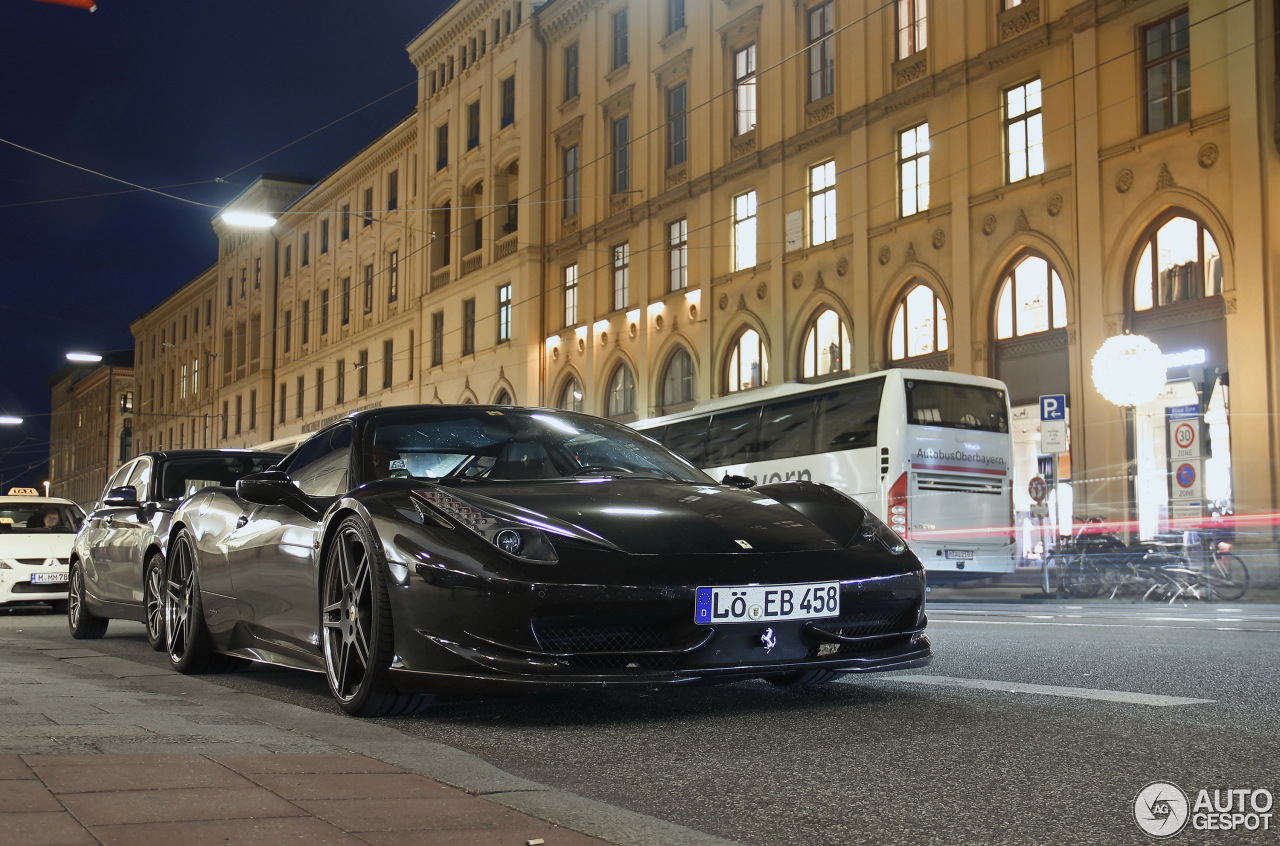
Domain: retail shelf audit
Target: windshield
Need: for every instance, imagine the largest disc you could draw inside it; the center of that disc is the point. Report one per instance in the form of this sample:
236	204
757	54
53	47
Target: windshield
513	444
955	406
41	517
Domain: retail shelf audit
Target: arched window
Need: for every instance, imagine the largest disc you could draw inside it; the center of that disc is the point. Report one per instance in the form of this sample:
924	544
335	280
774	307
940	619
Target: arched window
503	398
826	346
748	363
1179	262
677	380
622	393
1031	300
570	398
919	325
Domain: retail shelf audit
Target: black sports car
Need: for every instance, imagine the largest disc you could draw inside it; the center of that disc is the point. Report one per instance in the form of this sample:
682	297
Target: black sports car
412	550
117	561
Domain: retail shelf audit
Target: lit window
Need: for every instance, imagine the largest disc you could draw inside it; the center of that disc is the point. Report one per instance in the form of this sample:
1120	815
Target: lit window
504	312
570	398
1031	300
622	392
1179	262
748	363
678	254
621	275
1023	131
821	52
919	325
827	348
822	203
571	295
913	27
678	379
913	168
1166	68
744	231
744	89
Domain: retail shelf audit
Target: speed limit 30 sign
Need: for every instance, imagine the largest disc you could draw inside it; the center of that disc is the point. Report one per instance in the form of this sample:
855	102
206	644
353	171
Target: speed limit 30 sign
1184	439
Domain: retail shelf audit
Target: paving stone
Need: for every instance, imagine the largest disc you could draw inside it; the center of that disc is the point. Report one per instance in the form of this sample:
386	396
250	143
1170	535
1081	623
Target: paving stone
263	832
296	786
517	834
12	766
46	829
343	763
117	772
458	811
150	806
26	795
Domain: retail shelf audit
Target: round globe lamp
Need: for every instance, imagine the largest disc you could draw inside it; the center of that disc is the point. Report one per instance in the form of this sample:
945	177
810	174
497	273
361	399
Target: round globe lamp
1129	370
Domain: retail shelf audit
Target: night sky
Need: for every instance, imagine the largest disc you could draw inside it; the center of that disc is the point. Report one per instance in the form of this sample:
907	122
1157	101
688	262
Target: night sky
191	99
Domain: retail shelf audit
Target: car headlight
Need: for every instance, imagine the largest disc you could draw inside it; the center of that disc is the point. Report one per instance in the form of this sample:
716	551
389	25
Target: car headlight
515	539
874	529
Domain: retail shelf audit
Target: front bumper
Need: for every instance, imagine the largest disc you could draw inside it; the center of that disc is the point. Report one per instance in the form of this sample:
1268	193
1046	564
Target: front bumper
548	635
22	584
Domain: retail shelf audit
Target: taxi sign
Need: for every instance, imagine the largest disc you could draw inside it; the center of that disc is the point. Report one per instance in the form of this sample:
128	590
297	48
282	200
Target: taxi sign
23	492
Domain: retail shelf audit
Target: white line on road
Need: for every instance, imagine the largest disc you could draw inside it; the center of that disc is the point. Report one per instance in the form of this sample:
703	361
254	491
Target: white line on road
939	620
1121	696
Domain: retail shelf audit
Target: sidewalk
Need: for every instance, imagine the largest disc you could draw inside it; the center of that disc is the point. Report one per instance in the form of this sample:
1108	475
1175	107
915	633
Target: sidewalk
101	750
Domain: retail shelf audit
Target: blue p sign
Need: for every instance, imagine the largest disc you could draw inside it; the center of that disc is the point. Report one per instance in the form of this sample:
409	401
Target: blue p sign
1053	407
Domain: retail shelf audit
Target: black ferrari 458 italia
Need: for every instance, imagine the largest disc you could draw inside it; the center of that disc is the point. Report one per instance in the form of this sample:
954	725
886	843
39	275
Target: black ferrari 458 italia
413	550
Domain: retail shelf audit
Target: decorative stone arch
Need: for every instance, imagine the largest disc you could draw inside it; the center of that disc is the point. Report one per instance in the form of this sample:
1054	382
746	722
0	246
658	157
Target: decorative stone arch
911	277
726	358
567	376
611	367
1123	251
673	344
806	315
468	397
1006	256
503	386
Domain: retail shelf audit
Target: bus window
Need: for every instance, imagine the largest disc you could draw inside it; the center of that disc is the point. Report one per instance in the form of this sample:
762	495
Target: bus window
786	429
687	438
733	437
848	416
956	406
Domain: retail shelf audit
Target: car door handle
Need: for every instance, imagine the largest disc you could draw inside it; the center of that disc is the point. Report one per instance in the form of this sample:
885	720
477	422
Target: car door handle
242	521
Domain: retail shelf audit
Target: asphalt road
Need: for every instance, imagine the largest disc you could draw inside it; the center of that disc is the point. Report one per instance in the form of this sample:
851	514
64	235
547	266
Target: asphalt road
1035	724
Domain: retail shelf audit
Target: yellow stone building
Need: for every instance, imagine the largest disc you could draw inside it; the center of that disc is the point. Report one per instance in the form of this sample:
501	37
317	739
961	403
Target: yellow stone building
630	206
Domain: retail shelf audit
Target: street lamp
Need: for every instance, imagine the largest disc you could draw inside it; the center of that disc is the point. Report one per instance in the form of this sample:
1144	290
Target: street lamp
10	421
254	220
84	357
1129	370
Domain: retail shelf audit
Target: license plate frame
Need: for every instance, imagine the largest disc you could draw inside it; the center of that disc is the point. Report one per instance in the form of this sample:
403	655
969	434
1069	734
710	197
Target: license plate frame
732	604
49	578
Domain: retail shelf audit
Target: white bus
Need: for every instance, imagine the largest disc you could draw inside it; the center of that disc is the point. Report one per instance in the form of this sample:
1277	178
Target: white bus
929	452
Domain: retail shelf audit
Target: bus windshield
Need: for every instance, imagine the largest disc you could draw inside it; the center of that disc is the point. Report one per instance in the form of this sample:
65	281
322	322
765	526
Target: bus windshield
955	406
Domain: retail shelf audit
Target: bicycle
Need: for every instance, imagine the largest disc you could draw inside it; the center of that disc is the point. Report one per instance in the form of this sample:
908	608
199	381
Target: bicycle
1219	573
1091	563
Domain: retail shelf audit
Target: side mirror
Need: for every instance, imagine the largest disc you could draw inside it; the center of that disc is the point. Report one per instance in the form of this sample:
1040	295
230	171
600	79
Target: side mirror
121	497
738	481
270	487
273	487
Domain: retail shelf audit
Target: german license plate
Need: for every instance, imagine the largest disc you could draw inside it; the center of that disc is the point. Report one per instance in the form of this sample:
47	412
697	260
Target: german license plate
767	603
48	578
963	554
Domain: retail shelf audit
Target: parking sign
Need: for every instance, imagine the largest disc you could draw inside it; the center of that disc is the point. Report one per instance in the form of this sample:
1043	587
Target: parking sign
1053	407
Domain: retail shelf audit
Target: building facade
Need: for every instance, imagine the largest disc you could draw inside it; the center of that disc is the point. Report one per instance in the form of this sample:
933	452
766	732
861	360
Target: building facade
629	207
92	429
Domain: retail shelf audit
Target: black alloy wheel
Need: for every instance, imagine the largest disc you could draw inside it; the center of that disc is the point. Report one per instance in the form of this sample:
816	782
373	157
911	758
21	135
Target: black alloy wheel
187	640
153	600
356	628
83	624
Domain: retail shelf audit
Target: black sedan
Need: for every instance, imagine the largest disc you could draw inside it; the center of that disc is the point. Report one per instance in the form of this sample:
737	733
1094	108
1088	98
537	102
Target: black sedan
422	549
117	560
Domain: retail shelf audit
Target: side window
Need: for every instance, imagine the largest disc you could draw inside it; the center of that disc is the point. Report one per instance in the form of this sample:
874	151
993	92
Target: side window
687	438
121	477
140	478
786	429
848	416
733	438
320	466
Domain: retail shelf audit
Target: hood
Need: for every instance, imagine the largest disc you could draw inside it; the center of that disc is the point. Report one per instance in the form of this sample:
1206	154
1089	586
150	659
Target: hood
655	517
36	544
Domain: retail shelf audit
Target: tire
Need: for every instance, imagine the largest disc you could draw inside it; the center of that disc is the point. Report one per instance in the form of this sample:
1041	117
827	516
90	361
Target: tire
187	639
83	624
1081	578
801	678
356	628
153	600
1229	577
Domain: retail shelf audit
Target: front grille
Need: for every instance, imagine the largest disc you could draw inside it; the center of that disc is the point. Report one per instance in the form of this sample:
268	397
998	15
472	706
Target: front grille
27	587
637	642
39	562
889	619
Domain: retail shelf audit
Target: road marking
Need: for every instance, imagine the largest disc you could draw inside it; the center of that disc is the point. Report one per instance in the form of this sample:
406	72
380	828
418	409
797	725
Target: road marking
1190	625
1121	696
